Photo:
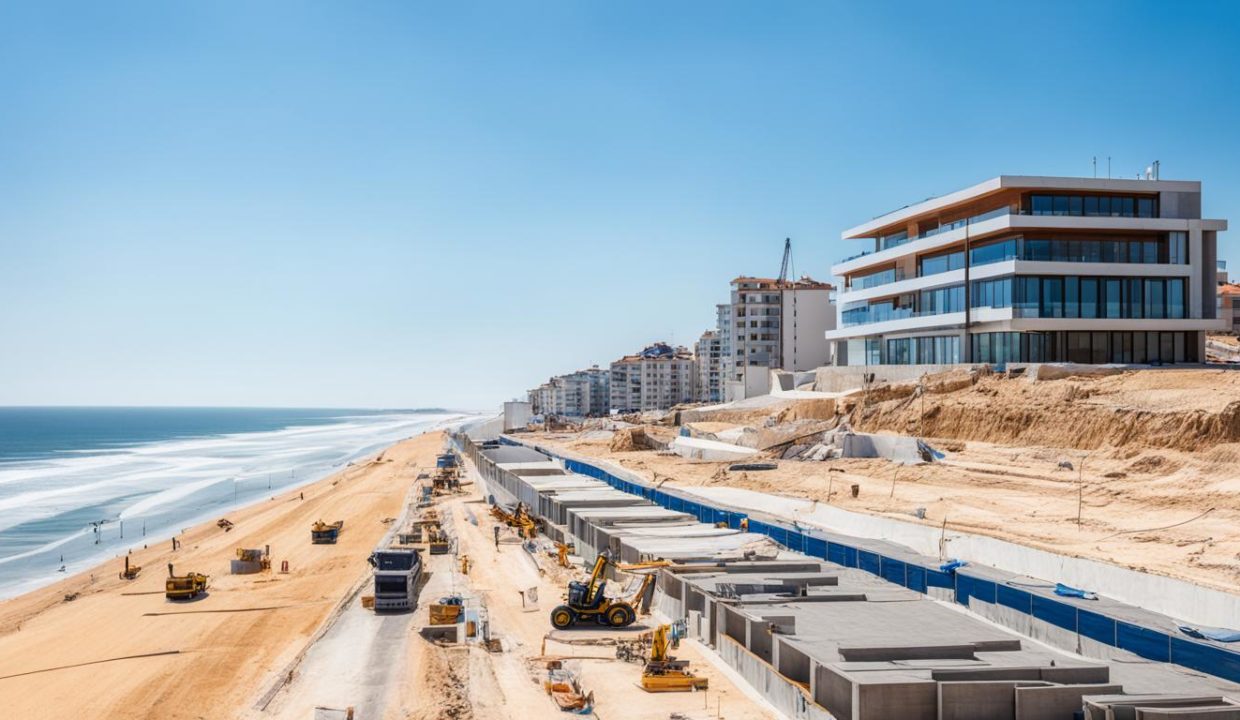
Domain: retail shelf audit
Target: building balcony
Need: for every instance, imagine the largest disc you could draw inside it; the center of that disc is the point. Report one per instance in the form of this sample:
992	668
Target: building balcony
1011	221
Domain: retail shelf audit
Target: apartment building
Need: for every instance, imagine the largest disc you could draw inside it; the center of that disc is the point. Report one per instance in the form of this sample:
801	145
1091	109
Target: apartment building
777	324
727	352
1033	269
585	393
709	355
657	378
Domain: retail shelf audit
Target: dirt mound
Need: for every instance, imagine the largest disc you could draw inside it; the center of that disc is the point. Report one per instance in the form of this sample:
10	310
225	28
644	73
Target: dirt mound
1082	414
636	438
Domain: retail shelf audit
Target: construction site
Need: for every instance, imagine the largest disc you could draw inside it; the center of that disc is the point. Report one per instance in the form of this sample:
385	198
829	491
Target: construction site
1075	525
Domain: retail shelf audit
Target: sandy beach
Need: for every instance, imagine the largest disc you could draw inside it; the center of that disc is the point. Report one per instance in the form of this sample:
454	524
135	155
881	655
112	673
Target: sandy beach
119	649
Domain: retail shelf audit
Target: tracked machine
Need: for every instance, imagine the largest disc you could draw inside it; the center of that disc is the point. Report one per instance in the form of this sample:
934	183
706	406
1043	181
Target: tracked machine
184	587
664	673
588	601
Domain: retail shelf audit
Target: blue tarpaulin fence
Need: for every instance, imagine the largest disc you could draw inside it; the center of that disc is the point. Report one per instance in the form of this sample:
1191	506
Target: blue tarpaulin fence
1143	641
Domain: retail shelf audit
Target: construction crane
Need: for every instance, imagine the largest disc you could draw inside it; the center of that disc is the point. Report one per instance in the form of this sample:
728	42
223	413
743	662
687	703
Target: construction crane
664	673
587	601
783	267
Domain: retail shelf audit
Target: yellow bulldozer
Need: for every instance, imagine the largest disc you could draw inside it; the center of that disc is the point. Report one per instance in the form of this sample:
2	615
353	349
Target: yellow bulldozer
587	601
664	673
184	587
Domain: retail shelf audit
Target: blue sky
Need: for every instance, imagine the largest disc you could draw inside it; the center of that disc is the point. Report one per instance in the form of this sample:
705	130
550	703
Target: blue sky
397	204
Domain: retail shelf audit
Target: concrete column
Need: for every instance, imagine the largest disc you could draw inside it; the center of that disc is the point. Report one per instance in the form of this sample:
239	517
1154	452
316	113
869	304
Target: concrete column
1196	258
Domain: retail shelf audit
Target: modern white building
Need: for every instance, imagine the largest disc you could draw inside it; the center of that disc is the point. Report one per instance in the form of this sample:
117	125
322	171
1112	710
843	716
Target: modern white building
1033	269
777	324
585	393
657	378
709	354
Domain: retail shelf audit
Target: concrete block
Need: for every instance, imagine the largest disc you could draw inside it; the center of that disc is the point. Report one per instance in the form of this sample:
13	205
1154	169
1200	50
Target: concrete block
980	699
1056	702
909	652
1189	713
1077	675
912	700
834	691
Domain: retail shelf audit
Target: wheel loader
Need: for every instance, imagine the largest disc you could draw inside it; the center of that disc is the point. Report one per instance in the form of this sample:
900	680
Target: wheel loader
587	601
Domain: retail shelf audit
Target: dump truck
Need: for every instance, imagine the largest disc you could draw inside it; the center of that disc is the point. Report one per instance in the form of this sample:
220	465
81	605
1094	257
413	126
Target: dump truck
396	578
322	533
184	587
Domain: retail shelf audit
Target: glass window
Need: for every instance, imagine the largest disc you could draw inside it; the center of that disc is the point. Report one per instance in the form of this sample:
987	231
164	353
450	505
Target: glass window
1089	297
1104	205
1138	347
1041	204
1074	205
1052	298
1060	205
1177	248
1036	249
1175	298
1071	297
1078	347
1149	251
1133	305
1113	298
1166	347
1154	301
995	252
1145	207
1091	205
1134	252
1099	340
1129	209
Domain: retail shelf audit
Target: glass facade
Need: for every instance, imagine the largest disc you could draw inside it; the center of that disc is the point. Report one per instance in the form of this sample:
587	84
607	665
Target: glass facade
931	350
1168	248
1071	296
935	264
1094	205
1085	347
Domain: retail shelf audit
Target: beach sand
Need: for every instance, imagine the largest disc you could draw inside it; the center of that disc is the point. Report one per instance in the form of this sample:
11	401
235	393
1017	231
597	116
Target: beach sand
62	659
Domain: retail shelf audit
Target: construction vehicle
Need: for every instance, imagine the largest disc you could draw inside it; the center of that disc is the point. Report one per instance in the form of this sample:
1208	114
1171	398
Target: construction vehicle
437	542
396	578
184	587
519	518
131	571
251	560
448	611
664	673
588	601
322	533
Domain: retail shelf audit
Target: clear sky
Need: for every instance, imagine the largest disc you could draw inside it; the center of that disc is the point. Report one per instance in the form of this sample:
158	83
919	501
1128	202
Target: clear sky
396	204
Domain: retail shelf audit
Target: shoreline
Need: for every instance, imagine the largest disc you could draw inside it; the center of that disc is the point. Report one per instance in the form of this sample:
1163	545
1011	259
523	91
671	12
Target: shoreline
115	550
215	651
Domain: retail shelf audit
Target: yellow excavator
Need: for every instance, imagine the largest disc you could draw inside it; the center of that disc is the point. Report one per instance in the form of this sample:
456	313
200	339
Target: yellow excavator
519	518
587	601
664	673
184	587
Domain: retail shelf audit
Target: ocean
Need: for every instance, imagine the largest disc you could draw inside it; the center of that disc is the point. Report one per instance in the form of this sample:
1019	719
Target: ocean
80	485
